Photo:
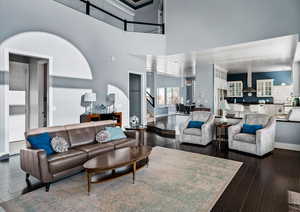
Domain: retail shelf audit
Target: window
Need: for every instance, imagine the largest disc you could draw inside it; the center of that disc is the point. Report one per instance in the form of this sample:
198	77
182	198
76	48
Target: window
172	95
161	96
264	88
235	89
168	96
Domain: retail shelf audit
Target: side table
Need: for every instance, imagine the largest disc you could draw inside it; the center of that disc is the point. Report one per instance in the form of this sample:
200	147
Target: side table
141	130
219	128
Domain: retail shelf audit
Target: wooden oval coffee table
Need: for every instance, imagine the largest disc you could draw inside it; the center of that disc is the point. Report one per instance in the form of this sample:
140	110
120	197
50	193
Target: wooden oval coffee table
116	159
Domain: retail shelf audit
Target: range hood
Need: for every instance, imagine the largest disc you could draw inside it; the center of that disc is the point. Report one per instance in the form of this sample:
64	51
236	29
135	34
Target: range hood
249	88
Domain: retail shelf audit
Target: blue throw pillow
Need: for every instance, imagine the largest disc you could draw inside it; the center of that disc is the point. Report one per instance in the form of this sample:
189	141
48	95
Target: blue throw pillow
115	133
195	124
251	128
41	141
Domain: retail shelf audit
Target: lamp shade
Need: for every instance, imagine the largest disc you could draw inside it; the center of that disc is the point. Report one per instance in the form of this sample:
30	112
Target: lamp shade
224	105
90	97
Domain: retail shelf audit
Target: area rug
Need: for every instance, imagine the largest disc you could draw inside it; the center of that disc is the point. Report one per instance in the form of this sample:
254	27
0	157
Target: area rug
174	181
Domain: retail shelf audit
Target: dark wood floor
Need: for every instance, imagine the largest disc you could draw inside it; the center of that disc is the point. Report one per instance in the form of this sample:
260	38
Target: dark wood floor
165	123
260	185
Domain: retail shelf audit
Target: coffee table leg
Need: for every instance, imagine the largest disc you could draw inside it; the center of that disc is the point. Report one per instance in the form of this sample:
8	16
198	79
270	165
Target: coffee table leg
133	173
147	162
89	182
220	139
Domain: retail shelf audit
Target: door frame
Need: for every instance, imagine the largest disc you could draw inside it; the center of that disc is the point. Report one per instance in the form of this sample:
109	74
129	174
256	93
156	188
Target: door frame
6	61
143	89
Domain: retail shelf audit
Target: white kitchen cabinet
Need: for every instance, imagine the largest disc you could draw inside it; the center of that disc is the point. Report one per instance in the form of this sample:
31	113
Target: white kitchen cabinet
264	88
235	89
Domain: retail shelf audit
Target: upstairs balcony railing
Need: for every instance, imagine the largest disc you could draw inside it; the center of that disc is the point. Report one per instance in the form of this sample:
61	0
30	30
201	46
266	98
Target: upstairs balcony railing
127	25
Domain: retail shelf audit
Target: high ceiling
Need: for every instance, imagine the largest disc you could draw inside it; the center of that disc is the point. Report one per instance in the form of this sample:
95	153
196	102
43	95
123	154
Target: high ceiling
274	54
136	4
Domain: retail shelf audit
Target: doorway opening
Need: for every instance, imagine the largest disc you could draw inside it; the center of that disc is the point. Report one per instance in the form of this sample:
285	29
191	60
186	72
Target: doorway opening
27	97
135	96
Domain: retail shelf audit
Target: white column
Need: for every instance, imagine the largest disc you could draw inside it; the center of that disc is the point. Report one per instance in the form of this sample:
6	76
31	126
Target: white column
296	79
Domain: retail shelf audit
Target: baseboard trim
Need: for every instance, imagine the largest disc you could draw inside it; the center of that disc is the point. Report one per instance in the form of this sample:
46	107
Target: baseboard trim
293	147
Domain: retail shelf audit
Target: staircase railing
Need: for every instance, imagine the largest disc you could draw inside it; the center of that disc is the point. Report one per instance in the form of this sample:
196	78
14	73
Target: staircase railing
150	99
89	6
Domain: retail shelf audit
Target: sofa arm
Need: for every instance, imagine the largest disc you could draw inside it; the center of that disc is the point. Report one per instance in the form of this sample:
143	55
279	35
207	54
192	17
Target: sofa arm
265	138
207	129
233	130
134	134
131	133
35	163
184	125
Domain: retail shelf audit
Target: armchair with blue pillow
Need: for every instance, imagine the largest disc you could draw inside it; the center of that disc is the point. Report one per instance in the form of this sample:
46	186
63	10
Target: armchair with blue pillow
198	129
255	134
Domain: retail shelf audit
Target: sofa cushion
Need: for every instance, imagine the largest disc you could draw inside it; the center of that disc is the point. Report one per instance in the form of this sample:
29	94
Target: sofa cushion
81	134
192	131
62	161
195	124
125	143
53	131
95	149
41	141
119	141
115	133
251	128
100	125
103	136
59	144
244	137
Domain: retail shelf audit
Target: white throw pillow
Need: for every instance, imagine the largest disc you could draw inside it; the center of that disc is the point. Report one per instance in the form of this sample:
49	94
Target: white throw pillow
103	136
59	144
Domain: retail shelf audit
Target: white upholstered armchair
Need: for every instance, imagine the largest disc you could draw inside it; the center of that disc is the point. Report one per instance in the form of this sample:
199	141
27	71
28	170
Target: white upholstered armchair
201	136
260	143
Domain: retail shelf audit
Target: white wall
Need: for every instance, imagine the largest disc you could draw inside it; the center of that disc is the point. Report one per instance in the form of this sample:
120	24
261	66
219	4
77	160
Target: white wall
196	25
204	85
86	54
296	79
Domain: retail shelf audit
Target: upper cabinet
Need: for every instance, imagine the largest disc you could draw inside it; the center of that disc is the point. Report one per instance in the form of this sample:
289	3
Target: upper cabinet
264	88
235	89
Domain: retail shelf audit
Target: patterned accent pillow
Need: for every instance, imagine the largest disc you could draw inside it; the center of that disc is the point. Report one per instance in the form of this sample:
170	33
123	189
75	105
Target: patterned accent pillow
59	144
103	136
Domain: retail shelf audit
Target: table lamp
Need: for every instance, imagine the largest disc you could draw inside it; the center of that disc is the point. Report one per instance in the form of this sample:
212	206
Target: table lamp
224	107
90	98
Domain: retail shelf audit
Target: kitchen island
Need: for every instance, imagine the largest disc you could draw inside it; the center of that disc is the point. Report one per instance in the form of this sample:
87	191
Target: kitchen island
275	109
